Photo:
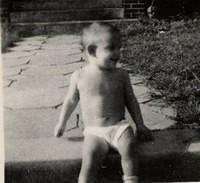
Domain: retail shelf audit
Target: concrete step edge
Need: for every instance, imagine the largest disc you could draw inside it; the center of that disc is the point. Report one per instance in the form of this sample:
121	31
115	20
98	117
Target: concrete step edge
66	15
165	144
67	10
67	4
51	28
167	168
119	20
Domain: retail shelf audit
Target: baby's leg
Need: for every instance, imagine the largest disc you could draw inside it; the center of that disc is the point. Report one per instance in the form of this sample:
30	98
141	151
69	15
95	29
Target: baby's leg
127	148
94	151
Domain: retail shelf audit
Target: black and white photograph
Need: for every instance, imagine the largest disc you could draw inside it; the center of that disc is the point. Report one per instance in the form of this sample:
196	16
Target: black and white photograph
100	91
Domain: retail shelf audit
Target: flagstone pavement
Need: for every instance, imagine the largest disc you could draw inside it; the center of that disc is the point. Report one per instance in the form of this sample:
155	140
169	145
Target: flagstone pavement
36	76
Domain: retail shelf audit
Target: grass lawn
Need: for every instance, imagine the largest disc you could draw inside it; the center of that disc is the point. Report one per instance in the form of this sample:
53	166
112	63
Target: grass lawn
167	53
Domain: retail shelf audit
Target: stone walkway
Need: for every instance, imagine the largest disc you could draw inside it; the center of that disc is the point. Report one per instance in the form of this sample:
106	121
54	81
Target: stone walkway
36	76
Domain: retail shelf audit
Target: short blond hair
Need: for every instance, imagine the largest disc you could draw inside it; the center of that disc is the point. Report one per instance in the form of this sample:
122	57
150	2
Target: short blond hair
92	34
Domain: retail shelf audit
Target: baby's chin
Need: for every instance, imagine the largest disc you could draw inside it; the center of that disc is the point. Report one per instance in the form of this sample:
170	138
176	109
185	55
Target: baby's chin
111	67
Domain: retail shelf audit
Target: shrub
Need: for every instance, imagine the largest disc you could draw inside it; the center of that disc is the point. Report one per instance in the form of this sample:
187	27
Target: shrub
166	8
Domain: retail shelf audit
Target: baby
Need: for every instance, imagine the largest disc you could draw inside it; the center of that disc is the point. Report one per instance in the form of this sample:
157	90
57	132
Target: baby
104	91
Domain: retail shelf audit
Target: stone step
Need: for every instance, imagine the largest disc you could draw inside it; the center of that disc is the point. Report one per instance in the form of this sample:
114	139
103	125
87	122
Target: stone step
174	155
64	4
52	28
66	15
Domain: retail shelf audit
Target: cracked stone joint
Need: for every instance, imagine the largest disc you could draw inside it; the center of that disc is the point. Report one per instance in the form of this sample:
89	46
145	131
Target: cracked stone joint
65	74
57	106
26	63
65	86
22	70
34	108
77	124
138	83
81	60
146	101
11	82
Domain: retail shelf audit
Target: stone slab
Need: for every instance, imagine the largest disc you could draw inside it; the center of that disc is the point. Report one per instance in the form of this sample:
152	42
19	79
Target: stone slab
52	59
13	71
45	149
15	55
63	40
41	82
166	142
27	124
169	150
141	92
34	43
28	43
15	62
25	48
64	47
35	38
52	69
62	52
157	118
33	98
37	124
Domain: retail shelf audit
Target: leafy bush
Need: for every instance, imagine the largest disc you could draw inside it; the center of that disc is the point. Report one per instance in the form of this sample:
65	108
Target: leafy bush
166	8
168	54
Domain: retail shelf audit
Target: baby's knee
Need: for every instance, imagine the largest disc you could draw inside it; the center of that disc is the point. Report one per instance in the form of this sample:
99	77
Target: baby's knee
129	150
130	179
83	179
86	176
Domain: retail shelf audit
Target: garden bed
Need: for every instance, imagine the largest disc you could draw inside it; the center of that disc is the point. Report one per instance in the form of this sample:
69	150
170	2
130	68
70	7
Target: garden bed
167	53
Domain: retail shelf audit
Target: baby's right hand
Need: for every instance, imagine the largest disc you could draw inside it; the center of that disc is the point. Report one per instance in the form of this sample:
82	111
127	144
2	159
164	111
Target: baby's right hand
144	134
59	130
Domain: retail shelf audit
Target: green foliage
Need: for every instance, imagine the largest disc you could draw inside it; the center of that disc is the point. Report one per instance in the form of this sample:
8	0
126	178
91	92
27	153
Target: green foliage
168	54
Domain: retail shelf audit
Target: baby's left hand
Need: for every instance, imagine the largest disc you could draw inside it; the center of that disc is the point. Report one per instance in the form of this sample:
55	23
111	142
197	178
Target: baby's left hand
144	134
59	130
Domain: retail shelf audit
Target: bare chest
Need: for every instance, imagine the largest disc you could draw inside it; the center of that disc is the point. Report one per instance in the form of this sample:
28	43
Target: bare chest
101	85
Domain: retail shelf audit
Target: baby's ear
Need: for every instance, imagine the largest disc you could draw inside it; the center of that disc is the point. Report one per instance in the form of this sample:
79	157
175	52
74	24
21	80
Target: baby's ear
92	50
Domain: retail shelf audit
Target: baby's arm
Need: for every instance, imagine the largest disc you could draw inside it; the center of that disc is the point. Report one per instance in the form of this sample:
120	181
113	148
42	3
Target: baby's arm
134	109
69	105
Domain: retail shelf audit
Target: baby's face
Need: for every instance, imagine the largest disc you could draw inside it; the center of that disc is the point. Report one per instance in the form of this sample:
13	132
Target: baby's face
107	52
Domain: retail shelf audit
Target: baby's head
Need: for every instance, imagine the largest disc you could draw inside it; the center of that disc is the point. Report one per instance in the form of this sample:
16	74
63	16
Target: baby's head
101	43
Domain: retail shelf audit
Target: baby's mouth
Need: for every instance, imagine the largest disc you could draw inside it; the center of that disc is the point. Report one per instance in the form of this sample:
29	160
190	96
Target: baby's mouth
114	59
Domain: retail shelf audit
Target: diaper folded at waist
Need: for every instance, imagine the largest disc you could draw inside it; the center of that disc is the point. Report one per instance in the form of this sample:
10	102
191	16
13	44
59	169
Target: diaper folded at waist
111	134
